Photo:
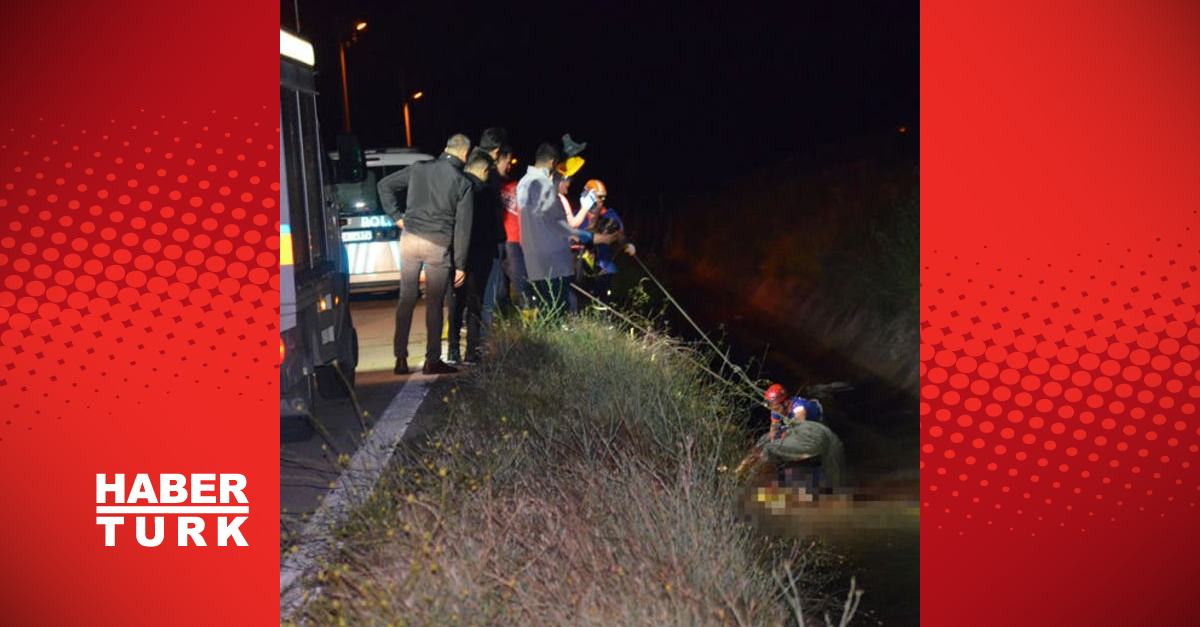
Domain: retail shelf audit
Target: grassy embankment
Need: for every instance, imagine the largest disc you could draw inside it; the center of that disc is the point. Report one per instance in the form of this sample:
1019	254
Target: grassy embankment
577	481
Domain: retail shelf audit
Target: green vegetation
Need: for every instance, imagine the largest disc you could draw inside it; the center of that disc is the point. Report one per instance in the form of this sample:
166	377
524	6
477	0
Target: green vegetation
578	479
877	258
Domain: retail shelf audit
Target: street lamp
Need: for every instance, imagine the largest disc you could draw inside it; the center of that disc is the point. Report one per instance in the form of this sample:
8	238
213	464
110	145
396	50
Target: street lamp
407	121
359	26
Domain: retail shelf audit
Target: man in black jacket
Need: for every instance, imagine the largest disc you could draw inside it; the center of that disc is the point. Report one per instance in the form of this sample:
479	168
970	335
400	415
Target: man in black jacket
494	141
437	229
467	299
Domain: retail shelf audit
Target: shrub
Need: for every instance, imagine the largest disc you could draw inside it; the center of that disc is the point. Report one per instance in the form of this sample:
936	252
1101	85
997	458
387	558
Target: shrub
577	480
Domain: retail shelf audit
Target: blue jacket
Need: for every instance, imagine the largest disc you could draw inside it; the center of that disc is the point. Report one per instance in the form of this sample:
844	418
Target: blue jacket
812	408
607	222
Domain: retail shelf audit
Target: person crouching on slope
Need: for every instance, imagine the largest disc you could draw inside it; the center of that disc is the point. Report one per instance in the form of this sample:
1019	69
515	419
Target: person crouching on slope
798	438
798	441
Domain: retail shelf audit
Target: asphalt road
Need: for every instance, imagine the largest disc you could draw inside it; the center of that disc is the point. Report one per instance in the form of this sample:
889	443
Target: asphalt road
307	468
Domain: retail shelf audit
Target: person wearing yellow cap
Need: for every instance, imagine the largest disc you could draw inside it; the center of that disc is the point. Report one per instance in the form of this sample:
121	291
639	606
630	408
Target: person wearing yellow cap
576	218
571	162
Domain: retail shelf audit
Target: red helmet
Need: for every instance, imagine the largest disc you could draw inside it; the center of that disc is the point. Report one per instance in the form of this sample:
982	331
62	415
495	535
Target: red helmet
774	394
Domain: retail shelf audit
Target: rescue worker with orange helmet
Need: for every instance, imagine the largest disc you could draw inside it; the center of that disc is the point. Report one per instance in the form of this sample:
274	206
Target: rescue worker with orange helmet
598	263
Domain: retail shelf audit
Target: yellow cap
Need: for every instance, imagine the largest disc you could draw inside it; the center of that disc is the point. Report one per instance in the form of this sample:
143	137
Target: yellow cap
569	167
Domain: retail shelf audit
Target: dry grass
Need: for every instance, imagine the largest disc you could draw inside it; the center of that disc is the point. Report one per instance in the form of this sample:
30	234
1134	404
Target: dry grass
576	482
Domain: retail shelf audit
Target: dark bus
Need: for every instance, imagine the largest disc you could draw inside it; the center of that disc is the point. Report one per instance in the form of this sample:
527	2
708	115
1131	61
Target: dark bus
318	345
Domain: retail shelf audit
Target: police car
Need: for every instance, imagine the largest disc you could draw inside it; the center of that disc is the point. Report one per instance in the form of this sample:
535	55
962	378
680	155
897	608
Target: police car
370	236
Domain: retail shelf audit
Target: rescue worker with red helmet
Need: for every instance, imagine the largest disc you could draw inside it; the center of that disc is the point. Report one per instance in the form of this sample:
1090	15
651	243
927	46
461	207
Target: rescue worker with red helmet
799	438
785	410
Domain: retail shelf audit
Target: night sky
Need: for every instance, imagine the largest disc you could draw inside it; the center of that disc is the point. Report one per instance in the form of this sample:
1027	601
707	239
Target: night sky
670	96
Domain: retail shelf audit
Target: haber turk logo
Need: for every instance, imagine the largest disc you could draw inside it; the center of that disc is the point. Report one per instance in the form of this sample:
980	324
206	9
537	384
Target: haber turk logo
181	498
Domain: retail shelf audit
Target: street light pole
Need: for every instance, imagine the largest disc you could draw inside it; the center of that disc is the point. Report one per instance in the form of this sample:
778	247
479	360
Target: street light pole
359	26
407	119
407	127
342	45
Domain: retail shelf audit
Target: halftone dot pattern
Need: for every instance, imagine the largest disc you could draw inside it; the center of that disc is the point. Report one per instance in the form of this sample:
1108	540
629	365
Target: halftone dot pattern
1060	398
126	274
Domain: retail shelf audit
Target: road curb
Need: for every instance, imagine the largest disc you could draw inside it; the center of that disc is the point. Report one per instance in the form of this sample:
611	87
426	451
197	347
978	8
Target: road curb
352	487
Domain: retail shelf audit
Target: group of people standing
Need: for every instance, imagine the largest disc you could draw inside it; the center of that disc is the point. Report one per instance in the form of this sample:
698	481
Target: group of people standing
490	244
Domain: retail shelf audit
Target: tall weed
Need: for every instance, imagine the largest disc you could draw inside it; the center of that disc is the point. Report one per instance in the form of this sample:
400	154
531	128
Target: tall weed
578	480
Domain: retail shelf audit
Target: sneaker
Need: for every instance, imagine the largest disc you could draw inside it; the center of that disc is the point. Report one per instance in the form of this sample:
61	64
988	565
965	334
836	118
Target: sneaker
401	367
453	358
438	367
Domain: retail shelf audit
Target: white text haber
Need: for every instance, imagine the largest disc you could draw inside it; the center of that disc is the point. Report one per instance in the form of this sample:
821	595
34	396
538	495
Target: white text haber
185	498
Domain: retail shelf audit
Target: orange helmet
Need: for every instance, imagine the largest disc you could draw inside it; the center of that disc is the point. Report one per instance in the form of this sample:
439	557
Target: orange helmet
596	186
774	394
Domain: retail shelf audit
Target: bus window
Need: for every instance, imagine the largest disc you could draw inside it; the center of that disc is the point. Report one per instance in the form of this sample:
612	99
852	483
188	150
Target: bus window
289	109
317	231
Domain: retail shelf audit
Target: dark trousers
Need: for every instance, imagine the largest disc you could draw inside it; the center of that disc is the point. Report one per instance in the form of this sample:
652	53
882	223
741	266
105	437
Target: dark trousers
491	303
466	305
600	286
513	278
415	253
552	297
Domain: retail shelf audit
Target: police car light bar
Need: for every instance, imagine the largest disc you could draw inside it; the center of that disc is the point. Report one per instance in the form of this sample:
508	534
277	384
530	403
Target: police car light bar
293	47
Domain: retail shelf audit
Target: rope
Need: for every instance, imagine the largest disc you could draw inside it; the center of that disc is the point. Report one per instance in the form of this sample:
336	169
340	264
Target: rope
646	331
805	439
671	299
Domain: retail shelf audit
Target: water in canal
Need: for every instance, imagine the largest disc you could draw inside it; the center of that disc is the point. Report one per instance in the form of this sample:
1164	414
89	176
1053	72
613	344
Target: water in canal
879	426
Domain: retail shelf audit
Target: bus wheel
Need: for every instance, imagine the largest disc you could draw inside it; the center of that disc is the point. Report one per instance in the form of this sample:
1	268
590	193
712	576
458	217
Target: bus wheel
295	429
336	380
297	426
329	380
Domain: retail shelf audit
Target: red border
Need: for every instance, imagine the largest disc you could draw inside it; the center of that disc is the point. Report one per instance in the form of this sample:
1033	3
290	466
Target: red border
138	312
1059	328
